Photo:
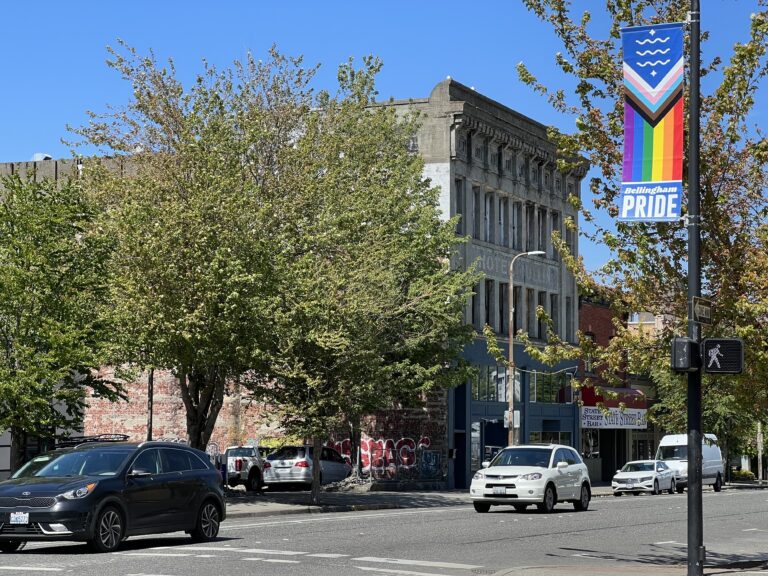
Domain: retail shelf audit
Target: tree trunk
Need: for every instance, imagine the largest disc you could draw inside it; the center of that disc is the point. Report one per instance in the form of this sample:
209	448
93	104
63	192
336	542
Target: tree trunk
18	447
314	499
202	390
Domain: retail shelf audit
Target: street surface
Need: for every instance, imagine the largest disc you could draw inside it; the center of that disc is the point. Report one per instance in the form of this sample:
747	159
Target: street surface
451	541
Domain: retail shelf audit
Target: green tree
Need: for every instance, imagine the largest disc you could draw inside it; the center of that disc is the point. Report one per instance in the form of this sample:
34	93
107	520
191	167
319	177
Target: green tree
371	312
53	286
649	268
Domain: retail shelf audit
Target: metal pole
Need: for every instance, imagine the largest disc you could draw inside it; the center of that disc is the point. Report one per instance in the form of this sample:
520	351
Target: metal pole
150	395
696	550
512	439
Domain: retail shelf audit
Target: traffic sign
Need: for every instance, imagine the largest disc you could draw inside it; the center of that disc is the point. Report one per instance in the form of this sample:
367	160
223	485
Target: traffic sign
702	310
722	355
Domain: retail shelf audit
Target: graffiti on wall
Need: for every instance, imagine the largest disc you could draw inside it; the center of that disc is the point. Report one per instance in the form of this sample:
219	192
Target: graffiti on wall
394	459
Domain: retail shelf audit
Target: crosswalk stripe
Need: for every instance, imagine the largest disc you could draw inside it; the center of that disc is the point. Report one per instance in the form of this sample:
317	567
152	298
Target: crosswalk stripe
401	572
424	563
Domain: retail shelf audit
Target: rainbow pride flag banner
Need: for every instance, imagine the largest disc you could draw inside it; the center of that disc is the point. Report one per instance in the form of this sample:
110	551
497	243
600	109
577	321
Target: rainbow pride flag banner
652	175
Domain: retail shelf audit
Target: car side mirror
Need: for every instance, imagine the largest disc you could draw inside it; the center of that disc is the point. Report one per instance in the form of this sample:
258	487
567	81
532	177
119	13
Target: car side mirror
486	464
562	464
618	471
139	473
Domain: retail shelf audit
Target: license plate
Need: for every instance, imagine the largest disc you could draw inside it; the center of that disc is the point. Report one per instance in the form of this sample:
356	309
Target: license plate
19	517
499	490
630	485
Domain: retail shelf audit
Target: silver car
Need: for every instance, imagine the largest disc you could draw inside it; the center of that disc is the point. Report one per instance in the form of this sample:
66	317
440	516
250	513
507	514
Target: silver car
293	465
652	476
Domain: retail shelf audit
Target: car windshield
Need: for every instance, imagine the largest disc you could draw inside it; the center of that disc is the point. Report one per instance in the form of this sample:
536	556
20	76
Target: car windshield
672	453
289	453
240	452
523	457
638	467
96	462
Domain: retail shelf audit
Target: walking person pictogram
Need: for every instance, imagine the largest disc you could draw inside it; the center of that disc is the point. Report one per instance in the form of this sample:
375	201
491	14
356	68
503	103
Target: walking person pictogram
714	356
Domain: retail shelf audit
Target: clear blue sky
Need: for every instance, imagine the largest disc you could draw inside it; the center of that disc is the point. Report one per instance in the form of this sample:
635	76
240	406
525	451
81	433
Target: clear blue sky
53	53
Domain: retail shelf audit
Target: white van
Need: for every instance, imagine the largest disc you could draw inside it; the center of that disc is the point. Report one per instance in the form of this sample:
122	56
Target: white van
673	449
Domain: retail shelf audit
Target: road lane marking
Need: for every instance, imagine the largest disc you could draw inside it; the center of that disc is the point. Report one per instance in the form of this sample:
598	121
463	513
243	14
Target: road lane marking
155	554
425	563
402	572
226	526
241	550
274	560
30	569
665	542
323	555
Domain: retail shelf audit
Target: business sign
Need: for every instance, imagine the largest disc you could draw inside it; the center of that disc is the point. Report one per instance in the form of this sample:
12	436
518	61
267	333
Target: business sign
652	174
629	418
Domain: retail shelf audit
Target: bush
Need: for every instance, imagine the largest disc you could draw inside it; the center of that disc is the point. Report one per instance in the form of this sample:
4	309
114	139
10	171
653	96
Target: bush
742	475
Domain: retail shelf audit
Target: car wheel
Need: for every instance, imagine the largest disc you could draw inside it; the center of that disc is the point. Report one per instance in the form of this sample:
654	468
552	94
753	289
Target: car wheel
481	507
550	499
109	530
254	482
520	507
672	487
207	527
583	502
10	546
679	489
718	484
617	494
656	490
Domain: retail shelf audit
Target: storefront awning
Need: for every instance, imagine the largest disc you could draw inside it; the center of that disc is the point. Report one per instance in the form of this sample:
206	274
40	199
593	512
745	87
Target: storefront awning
613	397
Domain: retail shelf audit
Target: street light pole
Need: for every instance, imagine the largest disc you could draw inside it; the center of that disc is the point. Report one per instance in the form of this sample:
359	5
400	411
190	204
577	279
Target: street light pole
511	372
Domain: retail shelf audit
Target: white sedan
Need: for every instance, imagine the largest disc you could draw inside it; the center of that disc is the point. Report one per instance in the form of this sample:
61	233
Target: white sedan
652	476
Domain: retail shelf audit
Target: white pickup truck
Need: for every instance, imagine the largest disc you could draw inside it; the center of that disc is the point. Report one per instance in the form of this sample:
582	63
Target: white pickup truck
244	466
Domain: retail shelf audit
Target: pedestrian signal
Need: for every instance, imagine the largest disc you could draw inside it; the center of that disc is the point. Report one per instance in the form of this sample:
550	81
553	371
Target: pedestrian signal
722	355
685	355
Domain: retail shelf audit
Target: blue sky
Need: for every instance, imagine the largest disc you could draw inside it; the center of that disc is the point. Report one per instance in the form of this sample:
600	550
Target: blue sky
53	53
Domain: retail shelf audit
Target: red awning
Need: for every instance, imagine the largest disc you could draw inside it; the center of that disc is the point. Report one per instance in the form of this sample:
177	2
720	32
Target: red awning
612	397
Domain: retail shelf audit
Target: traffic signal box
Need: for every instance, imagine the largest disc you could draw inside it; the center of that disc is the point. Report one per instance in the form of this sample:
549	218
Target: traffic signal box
714	355
722	355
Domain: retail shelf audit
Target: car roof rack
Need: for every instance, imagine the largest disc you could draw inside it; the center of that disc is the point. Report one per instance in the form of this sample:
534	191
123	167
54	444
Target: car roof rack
74	441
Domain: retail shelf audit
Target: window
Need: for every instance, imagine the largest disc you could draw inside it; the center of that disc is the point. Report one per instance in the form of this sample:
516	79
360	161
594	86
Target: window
175	460
500	159
469	147
503	221
503	308
542	326
517	305
517	225
554	312
541	228
488	318
530	303
556	228
147	461
568	319
476	308
459	207
530	218
477	205
488	217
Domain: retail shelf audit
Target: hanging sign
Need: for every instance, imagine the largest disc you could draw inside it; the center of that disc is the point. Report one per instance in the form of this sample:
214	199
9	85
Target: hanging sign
652	175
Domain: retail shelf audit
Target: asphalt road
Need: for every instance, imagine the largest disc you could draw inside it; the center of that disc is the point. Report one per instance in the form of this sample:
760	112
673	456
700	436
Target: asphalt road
450	541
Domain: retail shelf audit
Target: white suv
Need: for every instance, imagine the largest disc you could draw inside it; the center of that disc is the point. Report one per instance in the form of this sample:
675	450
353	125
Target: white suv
541	474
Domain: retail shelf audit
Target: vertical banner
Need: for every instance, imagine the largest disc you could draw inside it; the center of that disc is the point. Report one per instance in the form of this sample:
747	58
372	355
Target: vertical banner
652	176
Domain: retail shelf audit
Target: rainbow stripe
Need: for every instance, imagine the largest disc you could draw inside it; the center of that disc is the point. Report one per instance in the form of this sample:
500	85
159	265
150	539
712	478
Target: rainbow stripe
653	153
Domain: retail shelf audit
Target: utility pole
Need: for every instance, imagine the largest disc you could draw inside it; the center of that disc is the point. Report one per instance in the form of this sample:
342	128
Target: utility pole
696	550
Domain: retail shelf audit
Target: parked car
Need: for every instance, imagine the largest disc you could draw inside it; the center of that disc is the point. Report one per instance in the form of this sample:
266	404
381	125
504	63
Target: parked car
102	493
293	464
673	449
244	466
534	474
640	476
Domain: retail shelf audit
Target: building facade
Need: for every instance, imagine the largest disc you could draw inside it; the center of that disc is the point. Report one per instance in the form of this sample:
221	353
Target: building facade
497	171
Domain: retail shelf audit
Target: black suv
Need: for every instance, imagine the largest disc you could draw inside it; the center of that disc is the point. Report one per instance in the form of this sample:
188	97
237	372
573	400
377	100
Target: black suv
104	492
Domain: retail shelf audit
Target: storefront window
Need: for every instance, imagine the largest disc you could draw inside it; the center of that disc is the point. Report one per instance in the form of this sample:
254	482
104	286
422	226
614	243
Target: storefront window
550	438
590	443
